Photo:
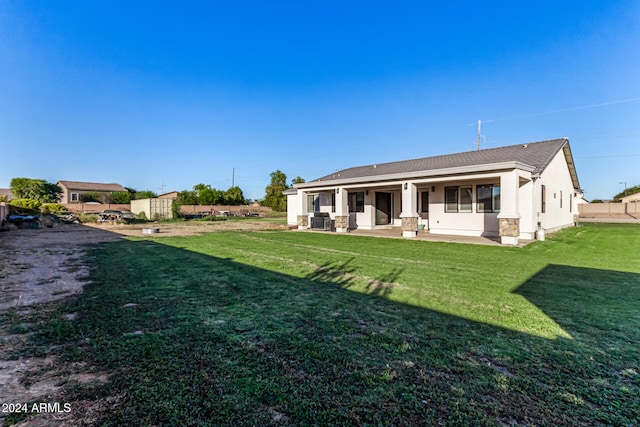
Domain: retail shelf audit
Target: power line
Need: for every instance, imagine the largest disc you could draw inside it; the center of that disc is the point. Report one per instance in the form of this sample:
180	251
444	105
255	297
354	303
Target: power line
608	155
564	110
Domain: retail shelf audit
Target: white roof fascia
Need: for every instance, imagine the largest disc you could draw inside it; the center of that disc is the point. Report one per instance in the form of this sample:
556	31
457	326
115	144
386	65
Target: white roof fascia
418	174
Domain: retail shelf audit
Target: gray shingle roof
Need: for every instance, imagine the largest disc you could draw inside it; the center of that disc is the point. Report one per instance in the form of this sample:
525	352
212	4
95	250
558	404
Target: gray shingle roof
91	186
536	154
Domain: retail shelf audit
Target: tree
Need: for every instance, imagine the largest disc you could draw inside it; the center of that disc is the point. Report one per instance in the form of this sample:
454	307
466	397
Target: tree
95	196
297	180
35	189
207	195
187	197
120	197
632	190
234	196
274	197
145	194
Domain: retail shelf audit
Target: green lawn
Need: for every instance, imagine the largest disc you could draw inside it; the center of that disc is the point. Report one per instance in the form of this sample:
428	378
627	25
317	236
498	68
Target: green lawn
288	328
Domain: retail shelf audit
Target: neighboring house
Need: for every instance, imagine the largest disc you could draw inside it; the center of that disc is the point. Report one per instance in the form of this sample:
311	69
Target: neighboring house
173	195
508	192
72	190
5	195
631	198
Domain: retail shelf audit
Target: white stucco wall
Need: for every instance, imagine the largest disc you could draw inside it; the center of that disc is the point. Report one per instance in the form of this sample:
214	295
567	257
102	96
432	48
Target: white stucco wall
557	180
527	210
461	223
293	208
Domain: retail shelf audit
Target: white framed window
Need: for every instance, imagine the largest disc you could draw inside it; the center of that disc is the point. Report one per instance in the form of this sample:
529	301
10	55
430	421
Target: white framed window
488	198
75	197
458	199
313	203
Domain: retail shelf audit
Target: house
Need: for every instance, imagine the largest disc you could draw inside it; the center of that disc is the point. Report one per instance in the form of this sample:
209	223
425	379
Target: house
631	198
73	190
507	192
173	195
5	195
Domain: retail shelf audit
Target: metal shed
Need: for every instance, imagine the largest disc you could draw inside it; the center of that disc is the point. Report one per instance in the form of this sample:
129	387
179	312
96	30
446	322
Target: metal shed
152	208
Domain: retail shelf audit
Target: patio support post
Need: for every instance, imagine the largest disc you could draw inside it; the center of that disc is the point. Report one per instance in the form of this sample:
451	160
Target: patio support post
509	218
303	216
409	213
342	210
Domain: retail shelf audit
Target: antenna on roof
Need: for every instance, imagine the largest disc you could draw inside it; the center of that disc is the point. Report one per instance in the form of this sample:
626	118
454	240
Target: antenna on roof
479	124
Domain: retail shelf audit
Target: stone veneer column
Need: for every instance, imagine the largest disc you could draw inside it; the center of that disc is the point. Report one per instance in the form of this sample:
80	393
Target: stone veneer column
509	230
342	223
410	226
303	222
409	213
342	210
509	218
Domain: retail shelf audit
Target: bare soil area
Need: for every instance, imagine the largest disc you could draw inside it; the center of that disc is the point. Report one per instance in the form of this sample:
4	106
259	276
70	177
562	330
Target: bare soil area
41	266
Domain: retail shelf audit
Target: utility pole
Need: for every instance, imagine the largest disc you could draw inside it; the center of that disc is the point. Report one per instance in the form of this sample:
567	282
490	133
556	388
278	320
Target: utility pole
625	187
233	177
479	123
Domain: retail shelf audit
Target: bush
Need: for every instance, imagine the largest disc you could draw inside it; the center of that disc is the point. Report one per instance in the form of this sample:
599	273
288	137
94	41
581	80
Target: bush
121	197
88	218
52	208
26	203
175	210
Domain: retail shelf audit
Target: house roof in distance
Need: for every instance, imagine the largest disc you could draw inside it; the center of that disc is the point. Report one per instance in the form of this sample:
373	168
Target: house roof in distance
6	193
538	155
91	186
633	197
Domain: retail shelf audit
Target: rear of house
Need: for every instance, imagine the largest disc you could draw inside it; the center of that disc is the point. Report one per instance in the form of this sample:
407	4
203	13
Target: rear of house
507	192
72	191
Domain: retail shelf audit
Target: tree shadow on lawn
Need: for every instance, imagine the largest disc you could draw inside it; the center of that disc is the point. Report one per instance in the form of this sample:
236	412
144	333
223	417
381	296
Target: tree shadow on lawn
588	303
342	274
192	339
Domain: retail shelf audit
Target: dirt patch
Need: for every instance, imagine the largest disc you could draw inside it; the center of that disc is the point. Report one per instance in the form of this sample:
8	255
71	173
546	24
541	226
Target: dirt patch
41	266
190	228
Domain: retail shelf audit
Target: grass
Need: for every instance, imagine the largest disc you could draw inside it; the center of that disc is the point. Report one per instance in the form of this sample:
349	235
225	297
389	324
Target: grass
286	328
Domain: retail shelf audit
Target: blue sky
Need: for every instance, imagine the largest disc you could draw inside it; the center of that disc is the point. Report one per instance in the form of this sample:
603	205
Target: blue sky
164	95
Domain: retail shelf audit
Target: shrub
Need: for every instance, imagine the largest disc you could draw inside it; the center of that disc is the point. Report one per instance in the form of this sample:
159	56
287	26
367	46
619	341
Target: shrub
26	203
88	218
121	197
52	208
93	196
175	210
